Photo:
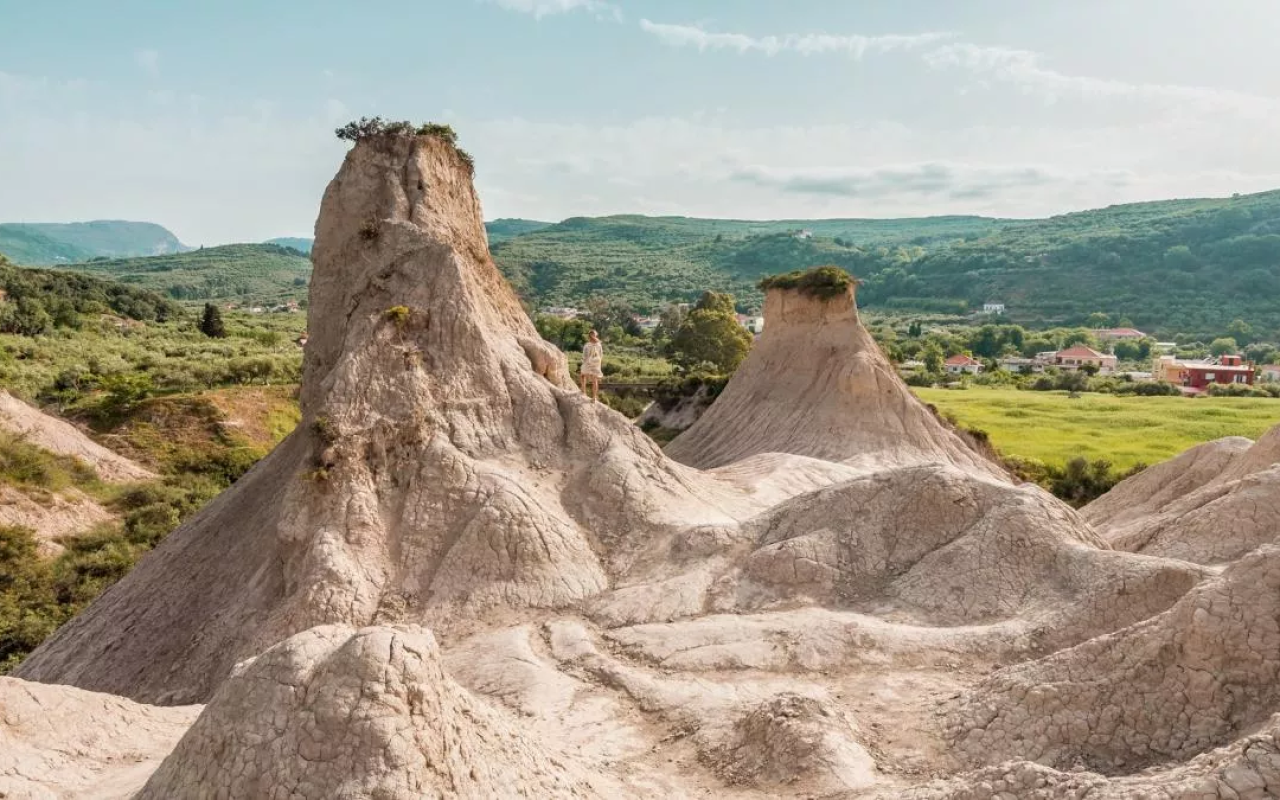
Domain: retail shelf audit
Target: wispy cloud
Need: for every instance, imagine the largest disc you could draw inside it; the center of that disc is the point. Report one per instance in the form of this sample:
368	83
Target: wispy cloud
931	180
804	44
148	59
1027	70
544	8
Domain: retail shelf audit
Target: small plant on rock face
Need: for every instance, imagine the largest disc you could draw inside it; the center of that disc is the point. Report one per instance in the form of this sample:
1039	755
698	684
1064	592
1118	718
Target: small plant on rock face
370	230
399	315
317	475
325	429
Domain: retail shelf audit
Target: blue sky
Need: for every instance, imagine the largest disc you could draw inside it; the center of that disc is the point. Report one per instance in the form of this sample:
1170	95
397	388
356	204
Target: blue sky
216	119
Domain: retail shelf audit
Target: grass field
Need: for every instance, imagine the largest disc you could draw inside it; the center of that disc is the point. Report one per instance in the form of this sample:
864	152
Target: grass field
1052	427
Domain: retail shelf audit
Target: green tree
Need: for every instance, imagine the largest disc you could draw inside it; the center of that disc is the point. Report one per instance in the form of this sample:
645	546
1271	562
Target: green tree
1223	346
211	324
711	333
1241	331
932	356
716	301
1098	320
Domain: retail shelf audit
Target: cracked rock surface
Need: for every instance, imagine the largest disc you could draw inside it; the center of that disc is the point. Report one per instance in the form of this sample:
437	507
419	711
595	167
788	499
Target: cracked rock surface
338	712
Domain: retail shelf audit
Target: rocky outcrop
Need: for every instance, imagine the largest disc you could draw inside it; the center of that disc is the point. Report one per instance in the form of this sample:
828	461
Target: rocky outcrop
816	384
443	469
1211	505
336	712
1168	688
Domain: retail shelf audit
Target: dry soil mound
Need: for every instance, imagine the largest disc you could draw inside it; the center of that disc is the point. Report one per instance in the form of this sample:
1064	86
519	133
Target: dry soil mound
816	384
1212	504
933	545
63	438
335	712
62	742
1168	688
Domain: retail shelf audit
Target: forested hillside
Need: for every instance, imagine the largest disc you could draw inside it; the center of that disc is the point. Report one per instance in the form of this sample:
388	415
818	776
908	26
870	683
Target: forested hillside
646	260
246	273
1188	266
35	301
61	243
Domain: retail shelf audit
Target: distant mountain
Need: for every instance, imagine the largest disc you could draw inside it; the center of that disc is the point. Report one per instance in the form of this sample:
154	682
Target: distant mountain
296	242
62	243
246	273
500	230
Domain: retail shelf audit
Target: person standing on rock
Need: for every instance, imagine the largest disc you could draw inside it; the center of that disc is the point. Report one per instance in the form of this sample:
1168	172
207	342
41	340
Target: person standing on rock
592	362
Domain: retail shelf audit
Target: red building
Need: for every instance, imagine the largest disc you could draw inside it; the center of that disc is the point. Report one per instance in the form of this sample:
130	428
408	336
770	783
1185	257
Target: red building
1229	369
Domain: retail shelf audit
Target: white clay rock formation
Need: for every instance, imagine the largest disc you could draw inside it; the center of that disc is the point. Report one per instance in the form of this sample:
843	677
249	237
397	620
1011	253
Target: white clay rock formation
1168	688
826	593
59	742
1211	505
335	712
816	384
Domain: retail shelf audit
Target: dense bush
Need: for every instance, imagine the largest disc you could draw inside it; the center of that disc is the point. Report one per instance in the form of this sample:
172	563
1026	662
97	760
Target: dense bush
1077	482
1244	390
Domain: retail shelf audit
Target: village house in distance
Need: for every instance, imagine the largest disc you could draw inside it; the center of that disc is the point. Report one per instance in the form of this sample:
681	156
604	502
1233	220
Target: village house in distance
1191	376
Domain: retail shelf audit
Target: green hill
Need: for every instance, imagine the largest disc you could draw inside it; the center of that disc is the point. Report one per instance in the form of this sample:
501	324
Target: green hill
500	230
60	243
246	273
647	260
1188	266
302	245
35	301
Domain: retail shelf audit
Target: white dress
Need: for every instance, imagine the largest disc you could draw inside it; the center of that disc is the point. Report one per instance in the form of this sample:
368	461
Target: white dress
592	358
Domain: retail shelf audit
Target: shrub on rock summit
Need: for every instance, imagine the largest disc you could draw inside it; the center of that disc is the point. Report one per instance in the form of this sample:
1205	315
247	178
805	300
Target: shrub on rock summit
821	282
372	127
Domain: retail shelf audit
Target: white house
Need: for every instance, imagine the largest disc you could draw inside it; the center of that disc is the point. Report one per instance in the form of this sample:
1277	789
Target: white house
959	364
993	308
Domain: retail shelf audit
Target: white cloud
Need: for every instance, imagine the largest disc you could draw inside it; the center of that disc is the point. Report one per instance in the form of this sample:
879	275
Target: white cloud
931	181
544	8
1026	69
549	170
804	44
148	59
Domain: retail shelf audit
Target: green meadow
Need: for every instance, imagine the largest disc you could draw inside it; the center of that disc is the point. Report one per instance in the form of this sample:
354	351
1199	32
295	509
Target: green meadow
1052	427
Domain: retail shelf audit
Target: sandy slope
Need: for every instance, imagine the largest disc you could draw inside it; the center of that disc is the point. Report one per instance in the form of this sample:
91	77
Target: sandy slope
61	437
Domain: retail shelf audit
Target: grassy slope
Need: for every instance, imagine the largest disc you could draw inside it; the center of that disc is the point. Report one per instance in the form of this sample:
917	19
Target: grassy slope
59	243
1053	428
248	273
